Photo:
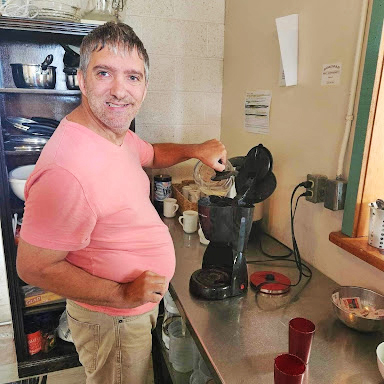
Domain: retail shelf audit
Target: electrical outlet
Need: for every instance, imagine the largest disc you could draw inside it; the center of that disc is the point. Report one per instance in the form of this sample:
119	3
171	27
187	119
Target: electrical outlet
335	193
317	189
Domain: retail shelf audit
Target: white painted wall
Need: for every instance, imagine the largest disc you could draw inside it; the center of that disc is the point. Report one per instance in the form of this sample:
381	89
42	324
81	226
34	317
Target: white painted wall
185	43
307	120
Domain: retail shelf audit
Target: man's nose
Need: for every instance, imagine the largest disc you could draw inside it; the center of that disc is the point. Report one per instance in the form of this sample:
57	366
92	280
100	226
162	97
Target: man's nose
118	88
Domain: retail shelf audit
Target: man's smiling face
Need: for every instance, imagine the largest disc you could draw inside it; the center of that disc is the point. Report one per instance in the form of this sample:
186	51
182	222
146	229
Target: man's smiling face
115	87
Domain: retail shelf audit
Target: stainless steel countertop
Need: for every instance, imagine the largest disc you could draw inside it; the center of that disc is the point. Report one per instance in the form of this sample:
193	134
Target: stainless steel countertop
240	337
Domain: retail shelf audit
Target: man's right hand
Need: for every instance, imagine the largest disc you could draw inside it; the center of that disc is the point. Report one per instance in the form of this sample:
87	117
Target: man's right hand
149	287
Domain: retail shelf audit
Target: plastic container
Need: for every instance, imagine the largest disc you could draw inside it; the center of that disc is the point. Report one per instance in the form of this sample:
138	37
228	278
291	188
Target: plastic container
34	337
376	227
170	314
104	10
201	374
162	185
180	347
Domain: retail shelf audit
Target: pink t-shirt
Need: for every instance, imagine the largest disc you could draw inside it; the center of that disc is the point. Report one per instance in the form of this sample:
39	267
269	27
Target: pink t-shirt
90	197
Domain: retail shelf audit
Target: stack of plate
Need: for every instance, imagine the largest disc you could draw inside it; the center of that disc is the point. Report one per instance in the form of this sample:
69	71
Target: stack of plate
56	10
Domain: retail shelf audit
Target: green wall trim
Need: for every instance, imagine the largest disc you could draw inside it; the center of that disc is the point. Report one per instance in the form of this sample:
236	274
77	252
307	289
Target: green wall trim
369	73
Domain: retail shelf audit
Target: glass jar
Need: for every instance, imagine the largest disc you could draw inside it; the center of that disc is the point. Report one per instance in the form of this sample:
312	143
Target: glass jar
103	9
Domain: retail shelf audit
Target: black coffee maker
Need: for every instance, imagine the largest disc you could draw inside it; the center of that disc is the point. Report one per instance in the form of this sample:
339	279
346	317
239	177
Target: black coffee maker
227	223
224	270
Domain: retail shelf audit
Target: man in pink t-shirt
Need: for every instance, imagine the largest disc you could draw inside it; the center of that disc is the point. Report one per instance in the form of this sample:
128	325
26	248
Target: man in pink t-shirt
90	232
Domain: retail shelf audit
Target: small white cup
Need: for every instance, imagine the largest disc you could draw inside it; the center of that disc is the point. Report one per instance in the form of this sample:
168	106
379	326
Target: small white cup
194	195
185	191
380	358
189	221
170	207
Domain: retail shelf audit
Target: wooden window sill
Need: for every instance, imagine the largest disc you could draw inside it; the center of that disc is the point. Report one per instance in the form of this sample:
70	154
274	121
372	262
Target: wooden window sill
359	247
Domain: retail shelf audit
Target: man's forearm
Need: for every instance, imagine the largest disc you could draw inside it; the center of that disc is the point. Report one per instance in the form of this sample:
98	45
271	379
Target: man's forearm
168	154
49	269
73	283
209	152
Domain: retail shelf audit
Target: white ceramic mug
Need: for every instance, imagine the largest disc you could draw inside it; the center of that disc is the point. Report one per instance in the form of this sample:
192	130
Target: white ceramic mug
170	207
185	190
189	221
194	195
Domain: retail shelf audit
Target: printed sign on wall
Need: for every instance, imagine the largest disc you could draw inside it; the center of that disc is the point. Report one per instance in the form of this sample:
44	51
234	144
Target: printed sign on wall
331	74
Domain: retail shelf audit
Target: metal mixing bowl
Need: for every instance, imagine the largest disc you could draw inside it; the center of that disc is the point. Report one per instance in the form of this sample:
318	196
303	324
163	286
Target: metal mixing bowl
368	298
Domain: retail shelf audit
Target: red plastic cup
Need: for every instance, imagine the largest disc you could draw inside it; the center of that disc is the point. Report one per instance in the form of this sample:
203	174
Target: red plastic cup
301	332
289	369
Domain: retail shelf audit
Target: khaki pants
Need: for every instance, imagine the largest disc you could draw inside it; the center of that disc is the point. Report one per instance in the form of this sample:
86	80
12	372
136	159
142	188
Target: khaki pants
112	349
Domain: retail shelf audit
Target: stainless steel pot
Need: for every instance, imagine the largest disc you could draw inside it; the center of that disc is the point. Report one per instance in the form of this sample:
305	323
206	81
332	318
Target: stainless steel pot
71	81
41	76
71	78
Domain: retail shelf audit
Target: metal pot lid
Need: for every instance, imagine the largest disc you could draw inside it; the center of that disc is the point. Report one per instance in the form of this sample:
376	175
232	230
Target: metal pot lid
36	129
46	121
38	66
13	149
33	120
18	120
24	139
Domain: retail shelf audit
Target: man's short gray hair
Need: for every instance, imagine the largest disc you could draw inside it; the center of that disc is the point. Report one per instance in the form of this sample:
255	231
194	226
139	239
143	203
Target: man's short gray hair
113	35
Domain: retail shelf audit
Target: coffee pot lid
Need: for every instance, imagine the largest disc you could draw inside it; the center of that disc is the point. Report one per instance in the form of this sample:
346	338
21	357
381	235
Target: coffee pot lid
255	180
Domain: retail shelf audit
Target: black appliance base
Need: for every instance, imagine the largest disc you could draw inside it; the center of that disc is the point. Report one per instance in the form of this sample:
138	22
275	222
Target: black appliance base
212	284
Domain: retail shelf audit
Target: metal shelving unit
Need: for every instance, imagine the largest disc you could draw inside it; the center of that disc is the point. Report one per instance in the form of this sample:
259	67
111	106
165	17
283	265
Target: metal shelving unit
41	35
45	26
31	34
48	307
40	91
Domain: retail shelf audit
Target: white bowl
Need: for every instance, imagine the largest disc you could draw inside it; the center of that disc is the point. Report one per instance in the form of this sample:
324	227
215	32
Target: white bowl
18	178
380	358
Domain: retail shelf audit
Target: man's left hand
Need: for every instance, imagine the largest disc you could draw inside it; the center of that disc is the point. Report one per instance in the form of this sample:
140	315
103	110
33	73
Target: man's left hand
213	154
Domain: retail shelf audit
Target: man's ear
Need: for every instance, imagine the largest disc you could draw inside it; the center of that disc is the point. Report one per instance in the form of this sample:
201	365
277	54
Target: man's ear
81	81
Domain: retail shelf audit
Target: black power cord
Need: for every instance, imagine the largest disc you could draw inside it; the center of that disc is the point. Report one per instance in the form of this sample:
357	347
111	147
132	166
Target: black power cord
303	269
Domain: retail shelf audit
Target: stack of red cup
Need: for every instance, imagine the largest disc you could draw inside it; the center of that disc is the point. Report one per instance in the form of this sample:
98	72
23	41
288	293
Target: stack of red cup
290	367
